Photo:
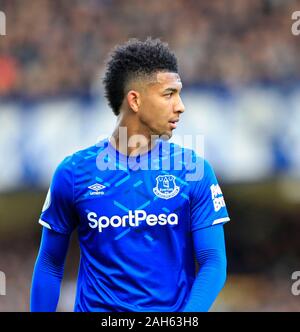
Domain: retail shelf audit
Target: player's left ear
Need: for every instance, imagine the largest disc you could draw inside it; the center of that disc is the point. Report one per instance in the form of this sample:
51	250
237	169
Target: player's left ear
133	99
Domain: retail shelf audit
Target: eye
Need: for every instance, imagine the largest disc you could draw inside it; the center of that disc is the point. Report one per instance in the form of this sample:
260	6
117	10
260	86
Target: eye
169	95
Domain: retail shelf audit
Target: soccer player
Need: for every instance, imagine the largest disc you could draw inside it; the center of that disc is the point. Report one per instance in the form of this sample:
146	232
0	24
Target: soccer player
144	208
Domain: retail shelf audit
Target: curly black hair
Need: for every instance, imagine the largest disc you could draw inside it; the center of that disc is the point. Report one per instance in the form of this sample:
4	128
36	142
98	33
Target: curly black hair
131	61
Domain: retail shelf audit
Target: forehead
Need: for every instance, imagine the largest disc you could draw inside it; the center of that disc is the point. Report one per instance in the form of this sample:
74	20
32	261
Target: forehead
166	80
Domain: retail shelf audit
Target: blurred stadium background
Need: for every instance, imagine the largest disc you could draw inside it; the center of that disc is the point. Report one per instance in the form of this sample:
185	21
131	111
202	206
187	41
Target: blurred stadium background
239	63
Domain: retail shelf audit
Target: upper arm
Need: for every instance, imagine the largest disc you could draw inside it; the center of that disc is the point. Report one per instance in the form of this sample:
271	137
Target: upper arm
59	212
209	238
53	247
207	203
209	245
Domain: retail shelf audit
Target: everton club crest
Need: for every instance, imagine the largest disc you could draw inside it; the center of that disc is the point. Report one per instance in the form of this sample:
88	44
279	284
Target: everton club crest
166	187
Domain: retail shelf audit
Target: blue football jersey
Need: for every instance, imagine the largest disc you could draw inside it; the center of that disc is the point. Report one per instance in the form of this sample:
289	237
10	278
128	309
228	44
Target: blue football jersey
135	217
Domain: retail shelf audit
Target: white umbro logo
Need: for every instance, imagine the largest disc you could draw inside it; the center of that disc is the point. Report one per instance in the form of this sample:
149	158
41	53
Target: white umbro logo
96	189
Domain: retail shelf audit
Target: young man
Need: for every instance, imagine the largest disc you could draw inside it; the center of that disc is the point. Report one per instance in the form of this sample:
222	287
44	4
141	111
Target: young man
144	208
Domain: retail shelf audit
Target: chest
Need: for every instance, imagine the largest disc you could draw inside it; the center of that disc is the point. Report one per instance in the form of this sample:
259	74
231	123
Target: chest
140	198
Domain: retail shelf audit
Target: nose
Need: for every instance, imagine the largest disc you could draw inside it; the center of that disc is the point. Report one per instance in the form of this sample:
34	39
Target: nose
179	106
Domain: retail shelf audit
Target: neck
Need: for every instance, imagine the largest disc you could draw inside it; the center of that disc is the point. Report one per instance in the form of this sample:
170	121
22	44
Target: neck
131	138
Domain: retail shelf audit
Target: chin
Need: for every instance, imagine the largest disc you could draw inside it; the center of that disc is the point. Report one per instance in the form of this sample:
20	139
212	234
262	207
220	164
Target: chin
166	136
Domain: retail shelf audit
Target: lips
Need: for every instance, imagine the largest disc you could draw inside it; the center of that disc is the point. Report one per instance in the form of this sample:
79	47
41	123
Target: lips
173	123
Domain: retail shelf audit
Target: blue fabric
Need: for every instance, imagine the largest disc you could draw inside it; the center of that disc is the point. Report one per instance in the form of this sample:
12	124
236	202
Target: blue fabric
135	225
210	253
48	271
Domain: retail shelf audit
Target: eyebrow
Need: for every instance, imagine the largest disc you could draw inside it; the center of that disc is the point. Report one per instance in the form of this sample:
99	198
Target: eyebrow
171	90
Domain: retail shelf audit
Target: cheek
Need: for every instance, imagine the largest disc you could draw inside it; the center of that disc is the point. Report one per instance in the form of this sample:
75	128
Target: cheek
155	110
162	107
148	117
160	113
152	110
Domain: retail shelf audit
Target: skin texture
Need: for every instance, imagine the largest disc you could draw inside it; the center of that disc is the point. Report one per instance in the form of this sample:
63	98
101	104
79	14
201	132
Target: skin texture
149	108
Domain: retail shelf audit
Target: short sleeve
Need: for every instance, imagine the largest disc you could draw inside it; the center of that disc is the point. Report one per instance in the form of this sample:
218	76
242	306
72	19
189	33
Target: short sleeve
58	211
207	202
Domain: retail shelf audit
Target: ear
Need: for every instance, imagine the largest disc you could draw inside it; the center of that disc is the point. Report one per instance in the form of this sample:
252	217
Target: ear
133	100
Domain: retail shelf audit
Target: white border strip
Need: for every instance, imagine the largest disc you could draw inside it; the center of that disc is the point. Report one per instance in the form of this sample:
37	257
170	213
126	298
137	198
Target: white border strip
217	221
43	223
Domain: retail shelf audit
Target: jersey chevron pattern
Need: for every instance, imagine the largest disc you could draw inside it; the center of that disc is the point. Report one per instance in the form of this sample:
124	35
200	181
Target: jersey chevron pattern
134	223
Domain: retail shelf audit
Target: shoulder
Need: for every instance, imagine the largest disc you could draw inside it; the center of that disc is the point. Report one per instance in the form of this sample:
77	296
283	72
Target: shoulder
79	159
179	149
90	152
84	155
189	157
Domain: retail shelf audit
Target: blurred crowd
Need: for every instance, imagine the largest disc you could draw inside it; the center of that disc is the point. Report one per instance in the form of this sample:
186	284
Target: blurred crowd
59	47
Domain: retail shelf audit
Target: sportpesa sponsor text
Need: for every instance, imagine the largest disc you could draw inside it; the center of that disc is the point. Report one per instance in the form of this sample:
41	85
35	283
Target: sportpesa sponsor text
133	218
